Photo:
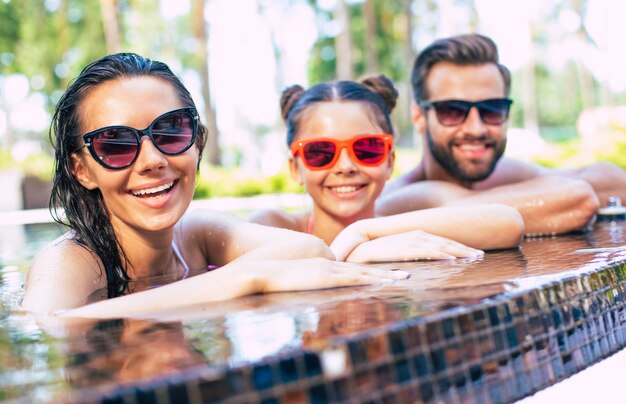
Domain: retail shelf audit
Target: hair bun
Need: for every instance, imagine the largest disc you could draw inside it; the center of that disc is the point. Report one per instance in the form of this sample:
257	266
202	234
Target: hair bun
383	86
288	99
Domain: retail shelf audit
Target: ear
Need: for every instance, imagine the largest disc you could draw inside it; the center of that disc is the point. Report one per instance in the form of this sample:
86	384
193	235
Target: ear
81	172
294	170
418	117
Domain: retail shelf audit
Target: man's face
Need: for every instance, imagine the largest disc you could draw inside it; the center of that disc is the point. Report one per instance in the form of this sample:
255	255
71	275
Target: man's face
466	152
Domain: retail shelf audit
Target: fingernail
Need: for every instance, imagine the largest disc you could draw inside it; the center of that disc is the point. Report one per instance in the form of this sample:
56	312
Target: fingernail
400	274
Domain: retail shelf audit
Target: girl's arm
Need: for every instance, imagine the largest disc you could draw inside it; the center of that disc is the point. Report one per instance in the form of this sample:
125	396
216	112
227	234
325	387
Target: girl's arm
485	226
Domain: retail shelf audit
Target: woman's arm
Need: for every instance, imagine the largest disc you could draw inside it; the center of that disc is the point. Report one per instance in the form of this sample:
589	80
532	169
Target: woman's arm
485	226
239	278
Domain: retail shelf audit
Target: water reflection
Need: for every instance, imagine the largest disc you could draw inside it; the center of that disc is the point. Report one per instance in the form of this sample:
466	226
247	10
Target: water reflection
124	351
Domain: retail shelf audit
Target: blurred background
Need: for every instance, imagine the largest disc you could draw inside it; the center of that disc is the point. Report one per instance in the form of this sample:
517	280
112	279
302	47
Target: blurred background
567	58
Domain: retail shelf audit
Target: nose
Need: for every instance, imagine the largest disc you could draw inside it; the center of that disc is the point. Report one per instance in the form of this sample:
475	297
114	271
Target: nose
344	163
473	123
149	158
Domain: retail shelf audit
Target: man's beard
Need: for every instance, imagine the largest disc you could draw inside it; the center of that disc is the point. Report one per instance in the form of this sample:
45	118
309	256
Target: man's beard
443	155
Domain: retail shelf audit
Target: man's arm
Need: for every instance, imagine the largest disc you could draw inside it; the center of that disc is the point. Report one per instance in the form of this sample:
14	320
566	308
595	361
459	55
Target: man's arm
607	179
548	204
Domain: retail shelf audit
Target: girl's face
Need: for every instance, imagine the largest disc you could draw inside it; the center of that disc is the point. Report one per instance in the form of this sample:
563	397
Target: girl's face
155	191
347	190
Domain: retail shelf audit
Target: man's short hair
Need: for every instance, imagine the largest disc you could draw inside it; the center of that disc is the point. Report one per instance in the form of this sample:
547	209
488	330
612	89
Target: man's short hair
469	49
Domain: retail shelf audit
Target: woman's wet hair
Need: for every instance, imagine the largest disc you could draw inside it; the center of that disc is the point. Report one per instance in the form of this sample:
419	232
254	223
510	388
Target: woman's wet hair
376	92
83	209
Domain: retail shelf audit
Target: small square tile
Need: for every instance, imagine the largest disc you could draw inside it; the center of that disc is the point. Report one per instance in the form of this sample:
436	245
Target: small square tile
262	377
421	365
433	333
318	394
288	370
377	348
403	371
312	364
396	342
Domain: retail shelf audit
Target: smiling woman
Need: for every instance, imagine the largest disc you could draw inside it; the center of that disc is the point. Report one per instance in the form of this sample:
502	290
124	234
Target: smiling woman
125	193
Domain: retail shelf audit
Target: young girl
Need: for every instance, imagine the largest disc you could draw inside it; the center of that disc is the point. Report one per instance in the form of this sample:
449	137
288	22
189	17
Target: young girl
128	142
341	141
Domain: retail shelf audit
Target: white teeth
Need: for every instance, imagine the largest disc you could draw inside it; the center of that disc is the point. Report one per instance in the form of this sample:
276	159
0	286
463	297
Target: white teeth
153	190
345	188
472	146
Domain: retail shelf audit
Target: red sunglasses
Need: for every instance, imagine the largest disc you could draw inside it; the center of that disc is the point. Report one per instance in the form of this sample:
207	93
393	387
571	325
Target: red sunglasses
322	153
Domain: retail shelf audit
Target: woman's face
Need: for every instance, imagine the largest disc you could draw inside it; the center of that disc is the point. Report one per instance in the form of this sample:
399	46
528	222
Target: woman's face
347	190
155	191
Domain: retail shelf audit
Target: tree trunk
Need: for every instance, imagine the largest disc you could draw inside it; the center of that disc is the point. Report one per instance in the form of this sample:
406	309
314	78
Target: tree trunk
343	43
529	99
200	33
371	57
110	21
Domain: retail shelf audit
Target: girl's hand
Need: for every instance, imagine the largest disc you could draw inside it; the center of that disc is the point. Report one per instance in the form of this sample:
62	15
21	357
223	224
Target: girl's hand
409	246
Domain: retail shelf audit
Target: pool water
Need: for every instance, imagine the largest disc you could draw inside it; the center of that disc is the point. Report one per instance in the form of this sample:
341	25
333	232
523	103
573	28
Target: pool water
493	329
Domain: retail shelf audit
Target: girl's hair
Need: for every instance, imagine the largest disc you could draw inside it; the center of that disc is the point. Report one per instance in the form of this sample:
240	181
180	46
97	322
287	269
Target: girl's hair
377	92
84	209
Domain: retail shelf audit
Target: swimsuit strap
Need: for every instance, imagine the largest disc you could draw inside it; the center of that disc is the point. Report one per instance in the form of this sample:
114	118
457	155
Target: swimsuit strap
180	259
309	225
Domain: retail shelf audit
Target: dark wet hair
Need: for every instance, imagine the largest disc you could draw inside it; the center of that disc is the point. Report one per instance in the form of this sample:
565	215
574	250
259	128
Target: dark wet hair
377	92
84	209
464	50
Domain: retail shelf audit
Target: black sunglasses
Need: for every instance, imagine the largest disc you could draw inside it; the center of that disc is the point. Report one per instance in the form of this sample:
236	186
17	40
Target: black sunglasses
117	147
493	111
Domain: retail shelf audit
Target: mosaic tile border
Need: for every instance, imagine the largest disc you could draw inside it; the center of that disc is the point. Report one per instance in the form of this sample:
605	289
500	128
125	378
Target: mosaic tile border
500	350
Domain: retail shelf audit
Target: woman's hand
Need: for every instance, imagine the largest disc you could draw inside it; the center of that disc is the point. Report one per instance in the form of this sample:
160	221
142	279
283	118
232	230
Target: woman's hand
409	246
317	273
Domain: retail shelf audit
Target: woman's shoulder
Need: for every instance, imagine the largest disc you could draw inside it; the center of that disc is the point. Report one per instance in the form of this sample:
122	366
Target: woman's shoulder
61	263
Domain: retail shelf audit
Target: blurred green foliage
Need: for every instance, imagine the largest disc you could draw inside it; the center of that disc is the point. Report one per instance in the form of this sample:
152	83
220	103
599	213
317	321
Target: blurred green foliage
218	182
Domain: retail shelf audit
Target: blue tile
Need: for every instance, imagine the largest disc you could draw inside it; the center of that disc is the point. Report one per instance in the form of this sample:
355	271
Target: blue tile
447	326
262	377
426	391
421	365
396	342
494	319
403	373
312	364
318	394
476	374
358	352
177	393
145	396
438	360
288	370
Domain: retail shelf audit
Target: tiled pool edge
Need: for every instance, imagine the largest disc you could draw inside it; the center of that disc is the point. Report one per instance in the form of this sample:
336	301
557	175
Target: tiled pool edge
500	350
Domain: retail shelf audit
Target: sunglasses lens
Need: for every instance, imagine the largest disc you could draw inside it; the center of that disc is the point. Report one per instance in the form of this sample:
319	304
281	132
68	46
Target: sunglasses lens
318	154
494	112
370	150
115	147
173	133
451	113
